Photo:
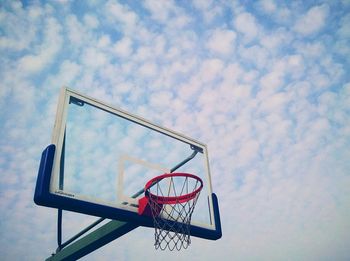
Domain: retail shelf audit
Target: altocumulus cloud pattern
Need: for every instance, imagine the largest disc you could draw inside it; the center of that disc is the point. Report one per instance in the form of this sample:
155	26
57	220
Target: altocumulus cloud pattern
264	83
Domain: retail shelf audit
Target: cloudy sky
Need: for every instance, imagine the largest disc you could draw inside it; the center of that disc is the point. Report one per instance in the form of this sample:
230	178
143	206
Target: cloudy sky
265	84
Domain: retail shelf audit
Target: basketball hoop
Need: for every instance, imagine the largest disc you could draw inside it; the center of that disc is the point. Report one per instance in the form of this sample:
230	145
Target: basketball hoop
170	199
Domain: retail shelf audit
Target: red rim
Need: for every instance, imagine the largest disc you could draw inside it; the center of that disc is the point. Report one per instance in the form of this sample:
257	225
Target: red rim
173	199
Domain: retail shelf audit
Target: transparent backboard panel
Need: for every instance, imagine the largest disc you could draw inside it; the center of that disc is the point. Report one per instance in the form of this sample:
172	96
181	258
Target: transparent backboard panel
107	157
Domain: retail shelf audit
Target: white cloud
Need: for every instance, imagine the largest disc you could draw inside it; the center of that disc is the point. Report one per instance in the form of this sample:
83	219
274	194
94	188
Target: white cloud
210	70
256	55
77	34
46	52
188	89
311	50
273	42
247	152
93	58
91	21
203	5
274	103
342	47
271	81
18	28
123	47
122	88
159	45
333	69
32	63
295	65
143	53
232	73
148	69
285	14
269	6
246	24
222	41
64	2
68	73
344	31
119	13
210	10
180	21
313	21
208	98
161	100
167	13
160	11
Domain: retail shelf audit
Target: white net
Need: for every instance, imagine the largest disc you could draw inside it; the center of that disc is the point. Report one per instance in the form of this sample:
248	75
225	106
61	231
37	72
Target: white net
172	199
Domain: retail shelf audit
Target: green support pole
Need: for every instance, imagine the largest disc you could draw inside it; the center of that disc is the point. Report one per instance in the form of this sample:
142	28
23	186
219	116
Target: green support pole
96	239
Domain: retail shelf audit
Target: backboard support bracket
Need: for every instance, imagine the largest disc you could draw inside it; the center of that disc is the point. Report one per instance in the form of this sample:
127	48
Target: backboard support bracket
106	234
96	239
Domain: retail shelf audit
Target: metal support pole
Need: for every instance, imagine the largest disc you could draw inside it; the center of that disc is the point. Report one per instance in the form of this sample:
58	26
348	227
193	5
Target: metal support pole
60	186
96	239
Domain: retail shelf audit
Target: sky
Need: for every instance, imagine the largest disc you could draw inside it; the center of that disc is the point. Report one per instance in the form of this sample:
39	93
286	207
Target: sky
265	84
